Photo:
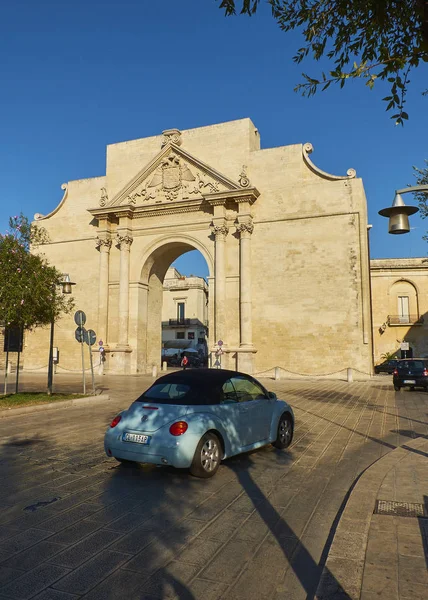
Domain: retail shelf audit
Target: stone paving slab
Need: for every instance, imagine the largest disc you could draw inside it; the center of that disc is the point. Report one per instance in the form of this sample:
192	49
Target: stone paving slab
261	528
381	555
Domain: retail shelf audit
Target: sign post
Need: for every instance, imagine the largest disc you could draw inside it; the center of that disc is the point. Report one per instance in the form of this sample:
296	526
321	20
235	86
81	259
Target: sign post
90	339
80	320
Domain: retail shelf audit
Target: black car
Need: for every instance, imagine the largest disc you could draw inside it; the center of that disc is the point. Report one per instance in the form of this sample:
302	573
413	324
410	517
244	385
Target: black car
387	366
411	373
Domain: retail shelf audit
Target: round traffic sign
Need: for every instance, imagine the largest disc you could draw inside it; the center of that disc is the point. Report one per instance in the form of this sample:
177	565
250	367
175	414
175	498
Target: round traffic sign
220	343
79	334
90	337
80	318
101	343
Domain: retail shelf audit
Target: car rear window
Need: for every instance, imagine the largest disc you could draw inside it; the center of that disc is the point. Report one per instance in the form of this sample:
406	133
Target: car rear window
415	365
166	393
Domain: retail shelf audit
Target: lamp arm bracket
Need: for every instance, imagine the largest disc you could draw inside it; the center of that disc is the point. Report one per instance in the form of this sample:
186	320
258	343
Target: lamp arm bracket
415	188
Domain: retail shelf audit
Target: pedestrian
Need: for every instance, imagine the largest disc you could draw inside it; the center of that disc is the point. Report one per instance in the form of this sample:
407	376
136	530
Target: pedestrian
184	362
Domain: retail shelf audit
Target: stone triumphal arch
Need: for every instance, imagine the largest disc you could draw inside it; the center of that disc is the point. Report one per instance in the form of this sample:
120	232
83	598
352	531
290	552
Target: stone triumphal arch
285	244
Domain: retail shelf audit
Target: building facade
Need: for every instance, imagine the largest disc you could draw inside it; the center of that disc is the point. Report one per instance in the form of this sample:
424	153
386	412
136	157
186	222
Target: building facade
184	314
399	306
285	244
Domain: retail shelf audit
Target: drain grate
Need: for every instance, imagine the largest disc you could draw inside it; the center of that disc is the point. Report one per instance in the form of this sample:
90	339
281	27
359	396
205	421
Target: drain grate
399	509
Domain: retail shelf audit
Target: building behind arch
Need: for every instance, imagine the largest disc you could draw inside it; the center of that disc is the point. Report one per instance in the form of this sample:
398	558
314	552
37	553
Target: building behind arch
399	306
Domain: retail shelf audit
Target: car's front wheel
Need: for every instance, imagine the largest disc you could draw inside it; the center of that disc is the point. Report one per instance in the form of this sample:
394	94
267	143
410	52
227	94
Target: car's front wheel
206	460
284	434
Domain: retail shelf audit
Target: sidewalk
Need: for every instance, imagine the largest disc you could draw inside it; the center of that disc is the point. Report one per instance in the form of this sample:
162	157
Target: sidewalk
380	548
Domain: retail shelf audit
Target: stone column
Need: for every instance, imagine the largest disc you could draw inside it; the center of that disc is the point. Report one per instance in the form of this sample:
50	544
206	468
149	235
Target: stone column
245	230
124	243
103	245
220	232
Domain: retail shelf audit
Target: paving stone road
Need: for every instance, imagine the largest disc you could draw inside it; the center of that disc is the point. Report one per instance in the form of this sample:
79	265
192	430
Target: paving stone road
75	524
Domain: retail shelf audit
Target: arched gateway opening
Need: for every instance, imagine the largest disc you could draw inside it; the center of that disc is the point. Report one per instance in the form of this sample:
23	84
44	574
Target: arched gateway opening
159	257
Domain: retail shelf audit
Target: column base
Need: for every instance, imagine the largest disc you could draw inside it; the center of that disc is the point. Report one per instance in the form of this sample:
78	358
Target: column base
119	360
235	359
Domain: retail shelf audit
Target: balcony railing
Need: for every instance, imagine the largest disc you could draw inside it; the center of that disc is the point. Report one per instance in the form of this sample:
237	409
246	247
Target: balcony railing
183	322
396	320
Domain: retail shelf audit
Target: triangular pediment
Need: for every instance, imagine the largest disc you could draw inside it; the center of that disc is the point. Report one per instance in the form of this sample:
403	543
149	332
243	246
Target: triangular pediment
173	175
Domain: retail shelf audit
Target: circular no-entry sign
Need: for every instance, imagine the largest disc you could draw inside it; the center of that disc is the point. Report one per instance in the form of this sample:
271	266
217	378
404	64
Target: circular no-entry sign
79	318
79	334
90	337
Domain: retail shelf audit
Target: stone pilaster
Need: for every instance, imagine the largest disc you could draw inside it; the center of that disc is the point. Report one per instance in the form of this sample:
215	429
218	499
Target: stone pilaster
124	244
103	245
220	232
245	229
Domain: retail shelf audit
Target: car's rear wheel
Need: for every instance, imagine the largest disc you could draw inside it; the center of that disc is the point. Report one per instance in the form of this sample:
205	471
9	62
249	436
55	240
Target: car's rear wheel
206	460
284	434
397	388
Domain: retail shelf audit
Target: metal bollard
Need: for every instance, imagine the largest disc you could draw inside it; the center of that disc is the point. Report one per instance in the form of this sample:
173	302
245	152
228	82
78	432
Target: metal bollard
154	371
277	373
349	375
164	366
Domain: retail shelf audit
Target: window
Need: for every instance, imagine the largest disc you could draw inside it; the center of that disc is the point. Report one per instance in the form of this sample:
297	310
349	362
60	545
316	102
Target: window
179	335
180	311
403	309
166	393
191	335
228	393
247	389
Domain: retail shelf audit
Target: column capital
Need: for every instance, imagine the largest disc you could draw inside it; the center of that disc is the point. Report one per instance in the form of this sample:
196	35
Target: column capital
245	228
220	230
103	244
123	242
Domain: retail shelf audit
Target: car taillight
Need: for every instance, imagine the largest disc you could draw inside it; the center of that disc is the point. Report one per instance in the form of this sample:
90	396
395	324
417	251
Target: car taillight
115	421
425	373
178	428
395	372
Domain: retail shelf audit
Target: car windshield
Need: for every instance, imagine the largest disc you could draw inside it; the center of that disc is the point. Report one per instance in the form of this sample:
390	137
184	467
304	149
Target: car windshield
415	365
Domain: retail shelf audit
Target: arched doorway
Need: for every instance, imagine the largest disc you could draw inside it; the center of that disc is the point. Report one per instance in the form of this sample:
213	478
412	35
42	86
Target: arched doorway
149	300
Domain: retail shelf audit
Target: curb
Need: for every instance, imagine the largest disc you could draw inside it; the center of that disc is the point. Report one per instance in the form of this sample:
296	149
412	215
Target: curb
12	412
342	575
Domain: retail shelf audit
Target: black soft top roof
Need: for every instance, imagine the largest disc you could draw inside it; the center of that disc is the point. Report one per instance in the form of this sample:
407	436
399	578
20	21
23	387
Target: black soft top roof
204	385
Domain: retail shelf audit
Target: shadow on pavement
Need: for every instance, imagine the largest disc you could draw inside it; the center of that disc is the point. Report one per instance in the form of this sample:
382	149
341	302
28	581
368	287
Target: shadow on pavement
307	571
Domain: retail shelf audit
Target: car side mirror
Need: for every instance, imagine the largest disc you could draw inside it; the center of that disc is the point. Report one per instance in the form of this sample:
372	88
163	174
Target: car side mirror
272	395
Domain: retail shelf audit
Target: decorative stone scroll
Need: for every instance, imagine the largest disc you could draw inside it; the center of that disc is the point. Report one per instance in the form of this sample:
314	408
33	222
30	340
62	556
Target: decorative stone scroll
171	136
243	178
104	197
308	149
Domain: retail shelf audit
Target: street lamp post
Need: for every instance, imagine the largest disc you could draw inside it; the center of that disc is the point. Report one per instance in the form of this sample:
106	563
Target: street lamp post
66	285
399	212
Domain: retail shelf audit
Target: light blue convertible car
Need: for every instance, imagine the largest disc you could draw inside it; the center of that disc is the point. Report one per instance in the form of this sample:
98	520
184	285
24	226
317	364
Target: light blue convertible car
196	418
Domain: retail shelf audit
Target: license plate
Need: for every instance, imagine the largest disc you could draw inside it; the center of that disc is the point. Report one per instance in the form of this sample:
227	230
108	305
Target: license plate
411	381
137	438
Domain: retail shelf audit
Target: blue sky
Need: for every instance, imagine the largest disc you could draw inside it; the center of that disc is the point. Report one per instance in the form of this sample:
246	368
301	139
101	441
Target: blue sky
76	76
